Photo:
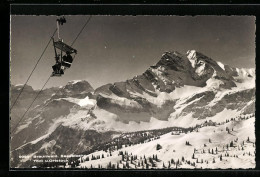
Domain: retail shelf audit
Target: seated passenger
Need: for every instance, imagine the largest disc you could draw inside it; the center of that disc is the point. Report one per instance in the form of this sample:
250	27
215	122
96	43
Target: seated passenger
67	60
57	69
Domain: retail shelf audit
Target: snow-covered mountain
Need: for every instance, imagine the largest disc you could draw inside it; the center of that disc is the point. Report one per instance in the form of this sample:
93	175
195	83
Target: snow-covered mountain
25	99
49	106
160	89
182	90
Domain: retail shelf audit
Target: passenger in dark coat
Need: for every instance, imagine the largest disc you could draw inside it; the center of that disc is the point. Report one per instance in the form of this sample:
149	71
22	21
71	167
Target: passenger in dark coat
67	60
57	67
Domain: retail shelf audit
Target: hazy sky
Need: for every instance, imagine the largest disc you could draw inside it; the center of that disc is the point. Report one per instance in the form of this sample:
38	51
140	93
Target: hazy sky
116	48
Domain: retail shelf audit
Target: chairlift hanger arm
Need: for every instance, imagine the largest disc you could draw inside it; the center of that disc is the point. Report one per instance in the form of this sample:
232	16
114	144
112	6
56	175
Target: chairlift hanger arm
54	47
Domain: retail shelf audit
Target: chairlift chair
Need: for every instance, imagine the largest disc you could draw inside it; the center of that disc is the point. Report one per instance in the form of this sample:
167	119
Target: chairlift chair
63	49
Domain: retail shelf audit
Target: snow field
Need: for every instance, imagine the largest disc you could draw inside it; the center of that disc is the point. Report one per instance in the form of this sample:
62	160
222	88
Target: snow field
173	147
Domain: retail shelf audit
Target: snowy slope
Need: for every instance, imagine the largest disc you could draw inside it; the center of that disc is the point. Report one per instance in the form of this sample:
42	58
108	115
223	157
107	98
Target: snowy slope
173	147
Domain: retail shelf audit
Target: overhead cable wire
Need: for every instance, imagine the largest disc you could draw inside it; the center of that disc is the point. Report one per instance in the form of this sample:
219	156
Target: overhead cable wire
81	30
30	105
49	76
32	70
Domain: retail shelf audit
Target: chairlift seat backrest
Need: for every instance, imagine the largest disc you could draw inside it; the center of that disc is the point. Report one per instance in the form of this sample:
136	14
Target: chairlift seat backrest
64	47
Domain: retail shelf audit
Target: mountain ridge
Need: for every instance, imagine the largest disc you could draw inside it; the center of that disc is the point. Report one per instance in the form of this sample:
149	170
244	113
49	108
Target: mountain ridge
179	90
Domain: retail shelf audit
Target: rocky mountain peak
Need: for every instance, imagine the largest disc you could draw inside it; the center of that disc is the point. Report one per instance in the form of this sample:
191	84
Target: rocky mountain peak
74	88
78	86
191	55
18	87
174	61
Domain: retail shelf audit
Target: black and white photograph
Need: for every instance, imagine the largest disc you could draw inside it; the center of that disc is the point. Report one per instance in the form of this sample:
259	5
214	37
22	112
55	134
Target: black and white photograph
137	92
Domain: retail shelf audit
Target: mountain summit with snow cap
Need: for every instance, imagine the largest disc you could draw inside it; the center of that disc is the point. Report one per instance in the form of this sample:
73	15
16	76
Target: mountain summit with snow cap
182	90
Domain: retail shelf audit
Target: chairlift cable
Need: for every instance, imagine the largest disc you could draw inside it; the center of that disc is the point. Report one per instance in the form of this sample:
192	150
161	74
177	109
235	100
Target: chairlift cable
30	105
49	76
81	30
33	70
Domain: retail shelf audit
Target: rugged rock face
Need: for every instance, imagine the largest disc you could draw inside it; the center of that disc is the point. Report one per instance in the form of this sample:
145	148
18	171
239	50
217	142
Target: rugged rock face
52	104
76	89
26	99
207	67
173	70
201	108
